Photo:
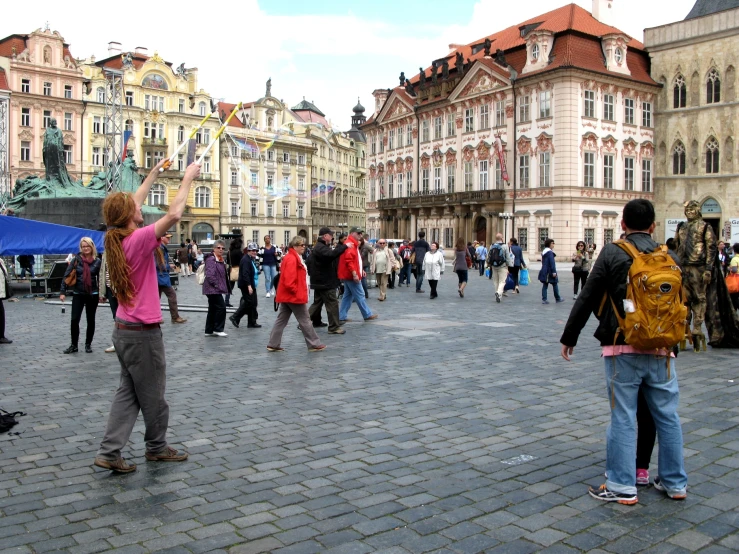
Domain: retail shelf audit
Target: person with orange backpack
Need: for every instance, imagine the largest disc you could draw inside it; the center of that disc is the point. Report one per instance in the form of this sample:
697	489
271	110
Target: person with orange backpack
635	290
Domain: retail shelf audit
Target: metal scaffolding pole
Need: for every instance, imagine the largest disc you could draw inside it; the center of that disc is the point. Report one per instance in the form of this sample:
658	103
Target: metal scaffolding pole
5	185
113	127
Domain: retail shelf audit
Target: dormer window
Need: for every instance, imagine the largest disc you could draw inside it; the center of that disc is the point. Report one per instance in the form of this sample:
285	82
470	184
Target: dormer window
535	52
619	55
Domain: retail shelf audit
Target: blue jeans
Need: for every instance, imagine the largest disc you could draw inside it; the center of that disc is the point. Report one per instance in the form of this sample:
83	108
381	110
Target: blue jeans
269	274
481	267
555	288
353	292
405	274
419	276
624	375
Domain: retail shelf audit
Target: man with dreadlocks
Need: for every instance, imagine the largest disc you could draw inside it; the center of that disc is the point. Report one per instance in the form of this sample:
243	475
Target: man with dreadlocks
137	337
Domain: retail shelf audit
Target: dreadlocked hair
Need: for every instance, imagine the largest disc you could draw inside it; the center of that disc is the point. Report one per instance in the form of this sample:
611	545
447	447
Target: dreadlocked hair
118	210
159	255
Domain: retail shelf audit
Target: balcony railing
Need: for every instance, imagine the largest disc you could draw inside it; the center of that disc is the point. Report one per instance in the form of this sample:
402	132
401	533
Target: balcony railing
154	142
441	197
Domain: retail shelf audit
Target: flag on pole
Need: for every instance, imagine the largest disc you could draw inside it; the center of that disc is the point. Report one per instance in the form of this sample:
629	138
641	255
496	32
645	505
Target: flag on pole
498	145
126	137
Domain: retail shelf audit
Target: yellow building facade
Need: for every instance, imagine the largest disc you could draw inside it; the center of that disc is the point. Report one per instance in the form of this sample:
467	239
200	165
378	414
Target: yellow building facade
265	170
161	106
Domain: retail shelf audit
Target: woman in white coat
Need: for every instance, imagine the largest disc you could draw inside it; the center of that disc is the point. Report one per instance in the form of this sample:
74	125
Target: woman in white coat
433	265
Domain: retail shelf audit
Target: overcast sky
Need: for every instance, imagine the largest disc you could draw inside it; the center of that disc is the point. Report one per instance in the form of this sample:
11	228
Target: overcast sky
329	51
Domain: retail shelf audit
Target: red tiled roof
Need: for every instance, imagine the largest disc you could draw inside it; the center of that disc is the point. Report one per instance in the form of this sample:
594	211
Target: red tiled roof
19	41
6	45
3	80
570	18
228	108
572	50
309	116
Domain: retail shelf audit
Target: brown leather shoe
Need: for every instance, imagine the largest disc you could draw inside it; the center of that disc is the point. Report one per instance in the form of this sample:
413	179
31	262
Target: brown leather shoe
370	318
179	320
169	454
119	465
338	331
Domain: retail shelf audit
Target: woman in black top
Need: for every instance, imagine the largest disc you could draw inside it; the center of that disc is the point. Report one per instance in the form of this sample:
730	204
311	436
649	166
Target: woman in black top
233	259
86	266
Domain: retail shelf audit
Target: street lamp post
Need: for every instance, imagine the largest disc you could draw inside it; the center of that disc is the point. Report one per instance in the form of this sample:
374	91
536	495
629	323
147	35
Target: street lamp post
505	216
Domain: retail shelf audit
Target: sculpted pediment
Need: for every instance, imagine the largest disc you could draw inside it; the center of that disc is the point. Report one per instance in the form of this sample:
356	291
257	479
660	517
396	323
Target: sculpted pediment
397	109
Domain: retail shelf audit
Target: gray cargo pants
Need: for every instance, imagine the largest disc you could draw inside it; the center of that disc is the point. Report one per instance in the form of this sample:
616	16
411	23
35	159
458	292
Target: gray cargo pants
143	380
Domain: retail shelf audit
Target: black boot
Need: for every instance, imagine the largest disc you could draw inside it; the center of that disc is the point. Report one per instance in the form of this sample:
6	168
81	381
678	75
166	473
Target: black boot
71	350
88	349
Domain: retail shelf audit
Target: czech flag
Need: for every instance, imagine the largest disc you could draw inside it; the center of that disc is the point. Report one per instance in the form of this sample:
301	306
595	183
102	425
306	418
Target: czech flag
126	137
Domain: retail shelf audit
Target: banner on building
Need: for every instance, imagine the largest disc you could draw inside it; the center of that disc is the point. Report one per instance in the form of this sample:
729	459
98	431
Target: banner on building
671	227
734	231
498	145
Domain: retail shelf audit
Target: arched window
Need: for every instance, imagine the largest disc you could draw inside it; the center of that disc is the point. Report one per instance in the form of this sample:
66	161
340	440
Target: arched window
157	195
180	134
202	197
680	92
678	159
101	95
712	151
713	87
201	108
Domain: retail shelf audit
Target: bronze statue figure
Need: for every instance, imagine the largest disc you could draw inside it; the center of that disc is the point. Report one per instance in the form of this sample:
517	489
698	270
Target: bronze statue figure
695	242
402	78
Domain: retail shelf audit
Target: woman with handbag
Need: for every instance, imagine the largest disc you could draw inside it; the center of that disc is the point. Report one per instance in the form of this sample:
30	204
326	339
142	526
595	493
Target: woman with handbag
462	265
233	259
433	268
5	293
214	287
383	264
581	267
292	295
548	273
81	277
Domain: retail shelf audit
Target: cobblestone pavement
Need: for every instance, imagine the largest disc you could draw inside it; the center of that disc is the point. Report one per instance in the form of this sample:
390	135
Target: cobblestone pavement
445	426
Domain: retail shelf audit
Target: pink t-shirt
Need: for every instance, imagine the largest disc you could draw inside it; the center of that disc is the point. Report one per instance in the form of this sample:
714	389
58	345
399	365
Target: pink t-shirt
139	250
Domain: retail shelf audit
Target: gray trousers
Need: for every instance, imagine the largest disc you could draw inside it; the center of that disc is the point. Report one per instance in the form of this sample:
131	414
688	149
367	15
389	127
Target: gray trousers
301	314
143	380
171	295
327	297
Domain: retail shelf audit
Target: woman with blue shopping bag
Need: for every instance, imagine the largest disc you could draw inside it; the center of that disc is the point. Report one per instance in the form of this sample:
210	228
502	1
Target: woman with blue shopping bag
519	264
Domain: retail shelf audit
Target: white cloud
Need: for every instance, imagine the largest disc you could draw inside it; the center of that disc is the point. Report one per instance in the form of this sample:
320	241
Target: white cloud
330	59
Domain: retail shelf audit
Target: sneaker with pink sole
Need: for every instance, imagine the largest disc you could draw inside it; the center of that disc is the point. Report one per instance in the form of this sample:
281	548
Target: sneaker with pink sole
642	477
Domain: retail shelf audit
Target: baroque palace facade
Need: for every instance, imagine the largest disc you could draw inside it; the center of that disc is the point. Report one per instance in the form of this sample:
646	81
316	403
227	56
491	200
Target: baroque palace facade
559	109
697	117
161	106
45	83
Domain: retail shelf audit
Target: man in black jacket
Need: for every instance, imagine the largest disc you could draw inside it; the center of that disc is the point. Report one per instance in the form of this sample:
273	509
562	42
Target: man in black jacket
324	281
247	283
627	369
420	247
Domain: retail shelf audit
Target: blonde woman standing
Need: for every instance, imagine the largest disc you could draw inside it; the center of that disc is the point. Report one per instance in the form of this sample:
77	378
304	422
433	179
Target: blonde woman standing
86	268
433	267
383	264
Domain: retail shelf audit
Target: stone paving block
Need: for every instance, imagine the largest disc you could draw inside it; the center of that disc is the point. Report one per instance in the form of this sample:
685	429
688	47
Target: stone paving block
691	540
259	546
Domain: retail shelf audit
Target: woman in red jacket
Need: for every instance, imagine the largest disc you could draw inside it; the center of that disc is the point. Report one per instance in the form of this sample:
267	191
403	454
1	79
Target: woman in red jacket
292	295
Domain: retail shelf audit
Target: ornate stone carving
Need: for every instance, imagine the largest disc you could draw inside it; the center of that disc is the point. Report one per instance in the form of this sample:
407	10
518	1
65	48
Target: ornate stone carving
524	145
451	157
544	143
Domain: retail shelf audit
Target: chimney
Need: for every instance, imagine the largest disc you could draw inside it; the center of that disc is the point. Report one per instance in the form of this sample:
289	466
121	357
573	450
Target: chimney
142	50
380	95
603	11
114	48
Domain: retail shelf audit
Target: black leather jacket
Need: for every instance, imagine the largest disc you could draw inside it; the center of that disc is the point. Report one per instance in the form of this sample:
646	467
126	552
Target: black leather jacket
608	275
323	264
78	265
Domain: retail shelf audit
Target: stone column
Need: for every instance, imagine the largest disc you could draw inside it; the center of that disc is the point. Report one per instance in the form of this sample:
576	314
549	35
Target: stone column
412	229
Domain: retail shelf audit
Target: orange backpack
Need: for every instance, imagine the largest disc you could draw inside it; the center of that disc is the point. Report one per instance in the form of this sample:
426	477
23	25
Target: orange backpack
655	305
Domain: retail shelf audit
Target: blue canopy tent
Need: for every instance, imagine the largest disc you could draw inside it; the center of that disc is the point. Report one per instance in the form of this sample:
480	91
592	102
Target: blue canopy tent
26	236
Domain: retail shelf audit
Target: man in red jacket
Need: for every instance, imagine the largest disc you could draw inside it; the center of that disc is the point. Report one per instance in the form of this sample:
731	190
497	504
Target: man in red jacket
351	272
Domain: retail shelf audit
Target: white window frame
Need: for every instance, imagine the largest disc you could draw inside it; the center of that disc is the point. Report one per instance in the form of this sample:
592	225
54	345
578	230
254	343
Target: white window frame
437	179
500	116
609	169
545	166
451	175
25	150
469	176
425	181
628	111
524	109
646	114
469	120
629	173
646	175
524	171
483	168
589	104
545	104
588	170
609	103
485	116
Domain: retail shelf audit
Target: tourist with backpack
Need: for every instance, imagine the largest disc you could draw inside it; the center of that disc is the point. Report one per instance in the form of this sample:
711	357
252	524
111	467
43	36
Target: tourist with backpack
498	260
636	355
